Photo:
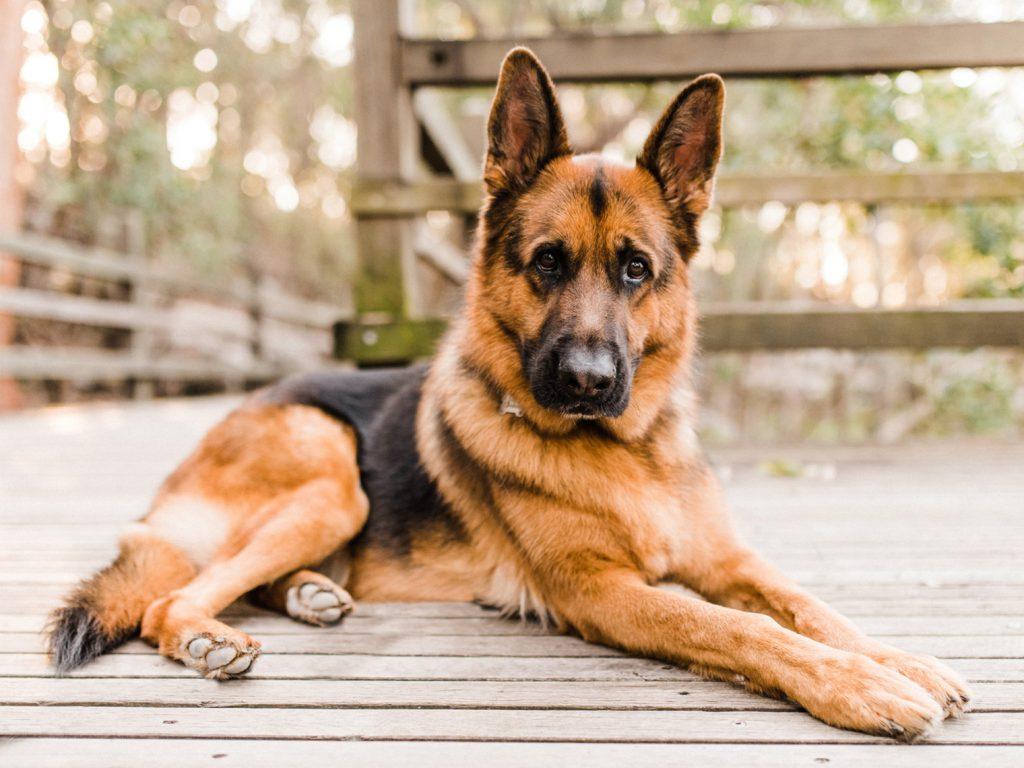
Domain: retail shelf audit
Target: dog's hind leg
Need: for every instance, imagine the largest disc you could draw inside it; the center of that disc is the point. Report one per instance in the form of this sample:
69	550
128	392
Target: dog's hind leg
307	596
298	528
278	488
271	489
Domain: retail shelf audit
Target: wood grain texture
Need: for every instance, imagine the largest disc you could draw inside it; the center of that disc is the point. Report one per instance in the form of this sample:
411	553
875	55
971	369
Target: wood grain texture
261	623
324	666
920	544
691	695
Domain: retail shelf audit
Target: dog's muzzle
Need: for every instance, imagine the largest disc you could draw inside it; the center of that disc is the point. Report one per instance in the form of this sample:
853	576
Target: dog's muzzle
587	380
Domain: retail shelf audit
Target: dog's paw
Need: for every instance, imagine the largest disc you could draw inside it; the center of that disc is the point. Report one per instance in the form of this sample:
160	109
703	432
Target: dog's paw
219	657
853	691
318	603
941	682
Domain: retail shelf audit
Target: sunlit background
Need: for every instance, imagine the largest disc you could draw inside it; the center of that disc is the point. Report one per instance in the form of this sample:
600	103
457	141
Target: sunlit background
227	128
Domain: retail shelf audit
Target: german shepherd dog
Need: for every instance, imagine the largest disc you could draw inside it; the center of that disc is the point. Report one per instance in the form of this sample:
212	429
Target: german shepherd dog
545	462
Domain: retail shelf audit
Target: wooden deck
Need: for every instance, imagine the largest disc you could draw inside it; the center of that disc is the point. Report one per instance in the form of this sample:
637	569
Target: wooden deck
922	545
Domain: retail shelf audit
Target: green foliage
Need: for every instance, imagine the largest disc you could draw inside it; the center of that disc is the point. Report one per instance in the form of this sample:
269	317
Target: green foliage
976	403
265	83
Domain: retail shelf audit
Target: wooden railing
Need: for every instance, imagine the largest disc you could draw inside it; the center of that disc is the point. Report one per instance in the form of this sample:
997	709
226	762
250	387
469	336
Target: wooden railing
255	314
384	199
390	194
757	326
772	52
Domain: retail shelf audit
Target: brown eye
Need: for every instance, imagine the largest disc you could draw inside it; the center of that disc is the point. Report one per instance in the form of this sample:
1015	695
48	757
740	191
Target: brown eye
636	269
547	262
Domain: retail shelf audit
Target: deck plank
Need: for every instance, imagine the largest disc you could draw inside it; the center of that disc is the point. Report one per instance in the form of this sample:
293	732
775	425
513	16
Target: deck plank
919	544
952	646
165	753
325	666
699	695
358	624
397	723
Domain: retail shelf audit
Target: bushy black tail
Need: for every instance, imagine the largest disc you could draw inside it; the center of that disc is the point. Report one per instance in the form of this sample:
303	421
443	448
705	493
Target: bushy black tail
76	636
106	609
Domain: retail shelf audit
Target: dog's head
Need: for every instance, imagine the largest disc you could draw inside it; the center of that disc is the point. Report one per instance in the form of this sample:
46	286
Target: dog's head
583	262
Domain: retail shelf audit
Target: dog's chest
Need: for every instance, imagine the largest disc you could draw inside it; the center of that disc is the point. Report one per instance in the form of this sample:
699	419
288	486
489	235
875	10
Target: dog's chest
652	524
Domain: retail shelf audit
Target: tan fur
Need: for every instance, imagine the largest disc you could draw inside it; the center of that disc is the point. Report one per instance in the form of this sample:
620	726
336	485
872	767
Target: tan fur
118	588
282	486
572	521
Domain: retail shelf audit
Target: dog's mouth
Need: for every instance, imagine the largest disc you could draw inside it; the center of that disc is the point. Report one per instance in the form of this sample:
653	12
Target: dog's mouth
580	411
590	410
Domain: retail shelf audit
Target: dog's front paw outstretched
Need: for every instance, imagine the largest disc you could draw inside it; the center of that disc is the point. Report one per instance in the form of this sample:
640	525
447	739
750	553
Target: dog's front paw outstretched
943	684
852	691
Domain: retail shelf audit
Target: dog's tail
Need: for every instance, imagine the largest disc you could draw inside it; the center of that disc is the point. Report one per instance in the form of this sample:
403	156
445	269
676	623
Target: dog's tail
107	608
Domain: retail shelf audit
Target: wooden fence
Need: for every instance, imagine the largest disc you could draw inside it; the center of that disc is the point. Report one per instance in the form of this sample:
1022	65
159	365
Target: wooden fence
390	68
254	312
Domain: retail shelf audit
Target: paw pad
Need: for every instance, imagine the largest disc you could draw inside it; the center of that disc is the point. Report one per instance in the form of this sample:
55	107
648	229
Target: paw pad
318	604
216	657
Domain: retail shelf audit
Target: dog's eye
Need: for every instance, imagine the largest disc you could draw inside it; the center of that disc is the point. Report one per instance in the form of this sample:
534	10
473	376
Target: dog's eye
547	262
636	269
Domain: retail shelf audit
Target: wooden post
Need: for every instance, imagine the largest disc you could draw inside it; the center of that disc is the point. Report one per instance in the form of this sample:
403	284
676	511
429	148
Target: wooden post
11	194
257	326
144	296
387	152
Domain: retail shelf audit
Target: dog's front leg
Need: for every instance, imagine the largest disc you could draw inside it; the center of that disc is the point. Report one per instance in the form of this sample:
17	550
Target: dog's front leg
616	607
742	579
730	574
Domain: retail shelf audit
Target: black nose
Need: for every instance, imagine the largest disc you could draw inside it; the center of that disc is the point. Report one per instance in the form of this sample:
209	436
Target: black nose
584	372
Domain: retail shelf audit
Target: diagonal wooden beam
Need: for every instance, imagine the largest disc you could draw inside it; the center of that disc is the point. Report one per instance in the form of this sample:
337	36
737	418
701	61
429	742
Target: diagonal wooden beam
444	131
447	258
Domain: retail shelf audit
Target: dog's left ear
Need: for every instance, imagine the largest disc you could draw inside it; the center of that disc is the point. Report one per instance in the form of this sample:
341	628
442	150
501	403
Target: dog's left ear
525	128
683	148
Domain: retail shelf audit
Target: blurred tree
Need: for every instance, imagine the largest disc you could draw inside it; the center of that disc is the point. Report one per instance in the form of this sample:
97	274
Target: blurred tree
10	190
173	108
176	108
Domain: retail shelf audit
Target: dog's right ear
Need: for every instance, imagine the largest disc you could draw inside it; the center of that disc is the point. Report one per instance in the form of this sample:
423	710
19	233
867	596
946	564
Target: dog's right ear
525	129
